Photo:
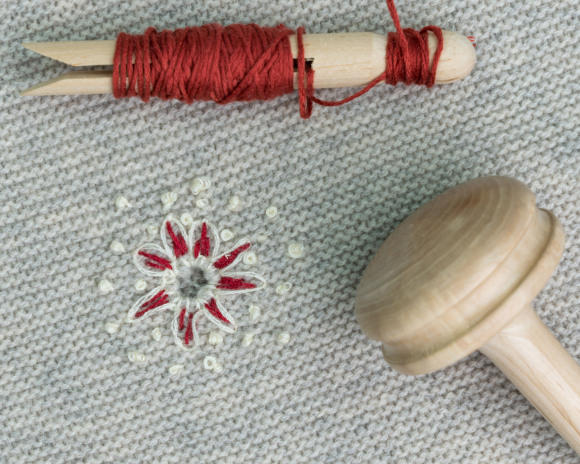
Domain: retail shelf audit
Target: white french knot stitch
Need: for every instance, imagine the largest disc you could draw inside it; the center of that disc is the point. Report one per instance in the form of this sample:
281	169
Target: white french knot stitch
186	219
226	235
176	369
254	312
105	286
168	198
122	202
247	339
283	288
271	211
141	285
112	327
283	338
250	258
117	247
136	356
156	334
211	363
234	202
200	184
215	338
201	203
295	250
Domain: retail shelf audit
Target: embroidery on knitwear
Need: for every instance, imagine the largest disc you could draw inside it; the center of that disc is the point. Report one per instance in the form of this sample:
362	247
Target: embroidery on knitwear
122	202
117	247
215	338
211	363
193	278
141	285
168	198
201	204
283	338
105	286
226	235
271	211
234	203
283	288
176	369
254	311
248	339
200	184
250	258
295	250
136	357
156	334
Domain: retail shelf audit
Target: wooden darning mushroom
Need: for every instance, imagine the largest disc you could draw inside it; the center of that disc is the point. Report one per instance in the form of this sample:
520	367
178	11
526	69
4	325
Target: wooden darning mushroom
459	275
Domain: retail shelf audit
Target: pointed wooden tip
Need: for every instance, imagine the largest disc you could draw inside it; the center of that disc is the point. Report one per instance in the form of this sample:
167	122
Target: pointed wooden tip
82	53
74	83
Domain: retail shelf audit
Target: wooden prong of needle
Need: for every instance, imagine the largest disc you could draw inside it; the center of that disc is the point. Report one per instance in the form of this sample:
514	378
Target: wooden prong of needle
74	83
81	53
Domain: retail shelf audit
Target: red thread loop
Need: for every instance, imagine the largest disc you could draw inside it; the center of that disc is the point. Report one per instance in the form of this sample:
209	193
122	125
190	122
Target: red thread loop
247	62
407	61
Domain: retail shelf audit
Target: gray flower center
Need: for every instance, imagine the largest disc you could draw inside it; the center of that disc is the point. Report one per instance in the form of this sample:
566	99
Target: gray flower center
191	282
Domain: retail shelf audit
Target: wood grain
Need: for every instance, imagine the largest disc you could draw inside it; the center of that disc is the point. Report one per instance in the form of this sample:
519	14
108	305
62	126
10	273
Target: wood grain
533	359
459	275
456	271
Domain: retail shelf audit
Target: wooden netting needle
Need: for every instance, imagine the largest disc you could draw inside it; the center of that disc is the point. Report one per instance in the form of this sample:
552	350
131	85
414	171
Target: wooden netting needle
339	60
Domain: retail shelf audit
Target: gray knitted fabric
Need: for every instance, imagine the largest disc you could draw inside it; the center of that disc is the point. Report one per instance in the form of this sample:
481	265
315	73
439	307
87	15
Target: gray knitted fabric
341	181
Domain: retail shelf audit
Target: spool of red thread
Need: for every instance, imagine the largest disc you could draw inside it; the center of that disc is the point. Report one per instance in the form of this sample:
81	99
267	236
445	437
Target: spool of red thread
249	62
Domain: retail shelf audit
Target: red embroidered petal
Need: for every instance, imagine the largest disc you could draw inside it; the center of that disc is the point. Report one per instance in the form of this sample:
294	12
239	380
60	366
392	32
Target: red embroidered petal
189	331
159	299
214	311
154	261
182	319
179	244
232	283
202	245
228	259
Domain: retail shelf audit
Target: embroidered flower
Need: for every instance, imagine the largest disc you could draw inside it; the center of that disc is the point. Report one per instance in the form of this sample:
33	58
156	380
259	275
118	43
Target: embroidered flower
194	278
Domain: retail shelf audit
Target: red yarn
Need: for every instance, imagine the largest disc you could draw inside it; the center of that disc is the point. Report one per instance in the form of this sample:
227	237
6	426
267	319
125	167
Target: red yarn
407	61
228	259
213	309
189	331
179	244
224	64
201	247
156	262
159	299
182	319
233	283
247	62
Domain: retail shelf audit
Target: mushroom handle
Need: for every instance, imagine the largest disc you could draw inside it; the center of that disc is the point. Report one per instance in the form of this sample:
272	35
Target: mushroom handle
535	361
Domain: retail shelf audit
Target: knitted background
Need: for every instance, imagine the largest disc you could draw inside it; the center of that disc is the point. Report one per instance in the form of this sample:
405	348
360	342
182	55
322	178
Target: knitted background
342	181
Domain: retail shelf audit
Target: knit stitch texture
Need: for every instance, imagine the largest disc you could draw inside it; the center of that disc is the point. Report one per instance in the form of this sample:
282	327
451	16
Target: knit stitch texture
341	182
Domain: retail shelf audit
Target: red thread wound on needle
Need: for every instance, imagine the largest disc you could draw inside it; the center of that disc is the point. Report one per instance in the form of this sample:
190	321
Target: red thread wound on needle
247	62
241	62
